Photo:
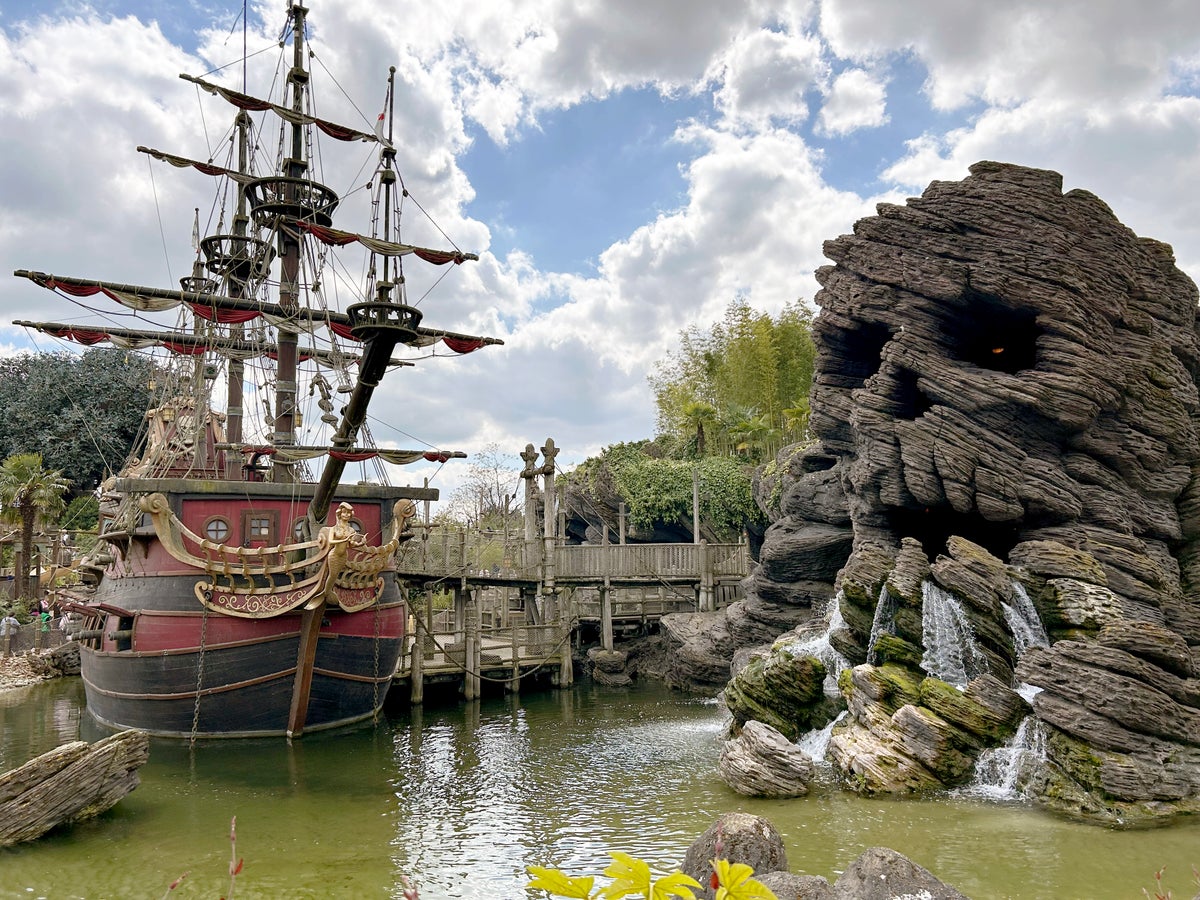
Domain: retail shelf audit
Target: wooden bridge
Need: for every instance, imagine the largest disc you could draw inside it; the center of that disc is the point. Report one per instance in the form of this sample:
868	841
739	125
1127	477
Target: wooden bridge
516	601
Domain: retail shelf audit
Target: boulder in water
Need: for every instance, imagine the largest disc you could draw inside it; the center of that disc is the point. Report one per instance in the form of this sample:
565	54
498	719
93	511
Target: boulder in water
761	762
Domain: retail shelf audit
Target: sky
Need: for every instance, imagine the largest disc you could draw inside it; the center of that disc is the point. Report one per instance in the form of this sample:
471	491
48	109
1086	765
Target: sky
624	168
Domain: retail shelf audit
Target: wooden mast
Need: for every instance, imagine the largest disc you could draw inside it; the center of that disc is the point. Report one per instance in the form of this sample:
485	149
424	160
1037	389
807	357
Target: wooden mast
289	255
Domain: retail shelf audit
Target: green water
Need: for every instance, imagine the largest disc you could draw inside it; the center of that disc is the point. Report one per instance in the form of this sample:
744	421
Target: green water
462	798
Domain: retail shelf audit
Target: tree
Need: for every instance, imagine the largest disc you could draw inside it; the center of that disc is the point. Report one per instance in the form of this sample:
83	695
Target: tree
749	367
697	414
29	491
83	413
489	497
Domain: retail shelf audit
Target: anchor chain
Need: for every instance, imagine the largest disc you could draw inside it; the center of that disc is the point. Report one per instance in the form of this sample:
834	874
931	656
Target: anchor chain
199	678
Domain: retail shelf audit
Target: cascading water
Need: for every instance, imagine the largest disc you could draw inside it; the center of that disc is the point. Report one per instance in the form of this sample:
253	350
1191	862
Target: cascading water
951	651
884	622
818	645
998	770
1024	622
816	742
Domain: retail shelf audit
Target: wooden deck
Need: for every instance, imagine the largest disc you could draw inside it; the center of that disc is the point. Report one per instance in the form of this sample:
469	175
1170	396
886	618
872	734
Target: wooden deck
501	656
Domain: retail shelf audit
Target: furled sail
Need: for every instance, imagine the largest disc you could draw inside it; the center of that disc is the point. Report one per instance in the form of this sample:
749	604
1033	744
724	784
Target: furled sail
231	310
253	104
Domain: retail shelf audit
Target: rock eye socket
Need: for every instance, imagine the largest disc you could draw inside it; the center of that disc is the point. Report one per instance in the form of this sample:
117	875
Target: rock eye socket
992	335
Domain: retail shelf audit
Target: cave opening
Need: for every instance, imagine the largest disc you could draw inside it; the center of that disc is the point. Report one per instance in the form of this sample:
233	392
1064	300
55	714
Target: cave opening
933	527
911	401
993	335
858	352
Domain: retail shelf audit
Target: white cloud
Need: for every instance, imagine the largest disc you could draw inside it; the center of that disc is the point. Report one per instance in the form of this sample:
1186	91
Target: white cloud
856	100
1001	52
765	76
1090	89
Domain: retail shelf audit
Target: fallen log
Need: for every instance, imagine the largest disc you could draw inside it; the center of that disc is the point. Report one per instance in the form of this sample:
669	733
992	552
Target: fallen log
68	784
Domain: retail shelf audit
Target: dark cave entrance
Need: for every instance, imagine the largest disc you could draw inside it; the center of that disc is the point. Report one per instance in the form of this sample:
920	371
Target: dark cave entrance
933	526
859	352
911	401
990	334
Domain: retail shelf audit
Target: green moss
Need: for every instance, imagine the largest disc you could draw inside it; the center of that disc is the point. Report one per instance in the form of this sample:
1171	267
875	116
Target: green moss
892	649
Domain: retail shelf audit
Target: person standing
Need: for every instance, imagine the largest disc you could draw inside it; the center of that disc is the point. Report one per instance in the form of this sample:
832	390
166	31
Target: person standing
9	628
43	635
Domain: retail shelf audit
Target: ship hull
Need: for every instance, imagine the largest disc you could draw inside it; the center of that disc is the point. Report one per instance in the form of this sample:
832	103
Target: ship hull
155	657
242	685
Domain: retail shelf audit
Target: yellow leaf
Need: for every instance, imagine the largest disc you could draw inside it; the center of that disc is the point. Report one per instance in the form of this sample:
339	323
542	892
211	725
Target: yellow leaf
675	885
736	883
630	876
557	884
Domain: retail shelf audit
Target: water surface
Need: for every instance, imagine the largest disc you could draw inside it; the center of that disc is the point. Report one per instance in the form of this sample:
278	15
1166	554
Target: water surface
461	798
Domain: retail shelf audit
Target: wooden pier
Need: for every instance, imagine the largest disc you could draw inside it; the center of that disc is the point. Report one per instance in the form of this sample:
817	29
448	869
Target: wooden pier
516	599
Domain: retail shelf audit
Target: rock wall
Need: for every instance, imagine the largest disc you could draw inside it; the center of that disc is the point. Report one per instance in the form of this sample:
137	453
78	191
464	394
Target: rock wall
1006	394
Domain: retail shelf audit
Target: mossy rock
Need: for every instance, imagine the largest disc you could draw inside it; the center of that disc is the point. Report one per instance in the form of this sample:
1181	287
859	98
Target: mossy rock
986	710
890	648
888	686
780	690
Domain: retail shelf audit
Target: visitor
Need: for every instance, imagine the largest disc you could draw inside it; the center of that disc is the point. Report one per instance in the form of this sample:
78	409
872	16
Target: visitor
43	633
9	628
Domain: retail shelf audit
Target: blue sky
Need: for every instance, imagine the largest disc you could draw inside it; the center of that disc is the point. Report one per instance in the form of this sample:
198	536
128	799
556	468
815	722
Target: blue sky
624	169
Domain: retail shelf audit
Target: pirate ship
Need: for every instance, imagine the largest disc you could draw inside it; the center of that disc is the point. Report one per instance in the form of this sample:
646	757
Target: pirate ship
233	593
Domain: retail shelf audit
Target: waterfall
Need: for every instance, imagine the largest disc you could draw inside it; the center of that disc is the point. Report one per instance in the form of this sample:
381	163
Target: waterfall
1024	622
884	622
816	742
951	652
998	771
818	645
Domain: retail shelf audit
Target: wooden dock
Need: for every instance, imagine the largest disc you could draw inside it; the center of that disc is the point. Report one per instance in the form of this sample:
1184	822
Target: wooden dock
548	589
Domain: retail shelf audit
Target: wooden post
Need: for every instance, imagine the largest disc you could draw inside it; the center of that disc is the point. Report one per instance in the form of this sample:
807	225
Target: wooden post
416	664
566	665
306	655
549	452
621	522
471	658
427	647
515	684
606	617
706	584
460	612
529	563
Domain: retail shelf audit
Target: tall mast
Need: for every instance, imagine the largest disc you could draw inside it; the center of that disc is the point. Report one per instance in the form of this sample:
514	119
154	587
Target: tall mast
289	254
236	370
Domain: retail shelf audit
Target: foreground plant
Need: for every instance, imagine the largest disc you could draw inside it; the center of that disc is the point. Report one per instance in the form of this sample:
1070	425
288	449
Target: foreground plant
631	877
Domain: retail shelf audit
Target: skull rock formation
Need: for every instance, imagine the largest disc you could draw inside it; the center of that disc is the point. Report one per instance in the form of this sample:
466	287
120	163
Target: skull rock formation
1005	407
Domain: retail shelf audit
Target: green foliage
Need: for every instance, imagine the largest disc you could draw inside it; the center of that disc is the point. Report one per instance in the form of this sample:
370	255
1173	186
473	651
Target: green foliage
82	515
658	490
744	382
82	413
631	877
29	492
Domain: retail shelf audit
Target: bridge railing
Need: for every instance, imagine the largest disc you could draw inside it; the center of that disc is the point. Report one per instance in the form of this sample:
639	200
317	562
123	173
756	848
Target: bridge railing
452	551
458	551
666	561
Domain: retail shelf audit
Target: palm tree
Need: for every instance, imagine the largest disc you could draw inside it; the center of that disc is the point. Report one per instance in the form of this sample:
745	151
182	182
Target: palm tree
795	419
28	491
697	414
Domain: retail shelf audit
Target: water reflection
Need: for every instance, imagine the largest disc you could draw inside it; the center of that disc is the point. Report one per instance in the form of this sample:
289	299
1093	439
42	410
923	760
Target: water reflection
463	797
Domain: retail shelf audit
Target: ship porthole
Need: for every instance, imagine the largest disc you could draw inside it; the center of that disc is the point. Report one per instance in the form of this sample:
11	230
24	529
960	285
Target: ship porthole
216	528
